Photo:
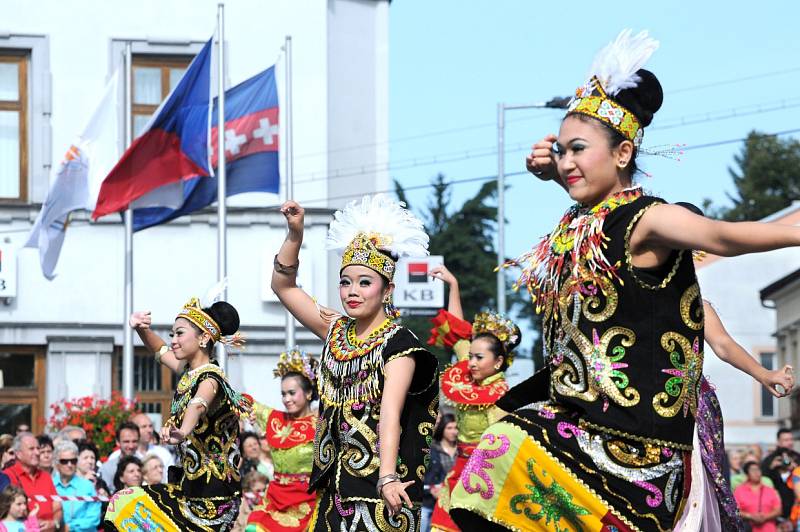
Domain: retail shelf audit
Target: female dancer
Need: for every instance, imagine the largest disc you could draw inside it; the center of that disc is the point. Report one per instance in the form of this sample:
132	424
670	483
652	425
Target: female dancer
605	441
484	350
371	370
204	493
288	505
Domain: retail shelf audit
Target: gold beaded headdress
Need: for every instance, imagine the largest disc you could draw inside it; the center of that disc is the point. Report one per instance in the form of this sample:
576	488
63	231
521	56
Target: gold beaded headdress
297	361
613	70
374	232
193	312
500	327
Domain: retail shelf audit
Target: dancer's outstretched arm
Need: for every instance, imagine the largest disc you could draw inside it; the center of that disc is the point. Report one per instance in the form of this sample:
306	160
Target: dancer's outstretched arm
284	274
454	299
728	350
141	321
675	227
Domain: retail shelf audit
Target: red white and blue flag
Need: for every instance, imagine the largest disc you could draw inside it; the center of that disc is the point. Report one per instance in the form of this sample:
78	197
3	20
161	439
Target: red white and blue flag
251	151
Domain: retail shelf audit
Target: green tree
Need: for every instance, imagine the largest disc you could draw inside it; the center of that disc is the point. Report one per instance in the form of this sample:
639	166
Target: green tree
766	177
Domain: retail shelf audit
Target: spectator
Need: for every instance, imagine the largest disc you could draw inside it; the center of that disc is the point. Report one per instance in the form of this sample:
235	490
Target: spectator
26	474
129	473
22	427
87	467
443	456
69	433
147	445
254	484
14	516
778	466
128	442
152	470
45	453
253	456
6	450
79	516
759	505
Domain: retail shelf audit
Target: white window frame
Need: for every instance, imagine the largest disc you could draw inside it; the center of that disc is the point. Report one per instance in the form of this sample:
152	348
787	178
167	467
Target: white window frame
40	102
762	391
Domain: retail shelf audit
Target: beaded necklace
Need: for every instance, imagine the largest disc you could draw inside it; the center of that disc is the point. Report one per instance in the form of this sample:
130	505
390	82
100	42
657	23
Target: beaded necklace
575	245
345	345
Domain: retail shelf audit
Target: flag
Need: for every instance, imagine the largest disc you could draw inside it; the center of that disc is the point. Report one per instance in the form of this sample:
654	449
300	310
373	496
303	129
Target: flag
173	146
251	151
78	179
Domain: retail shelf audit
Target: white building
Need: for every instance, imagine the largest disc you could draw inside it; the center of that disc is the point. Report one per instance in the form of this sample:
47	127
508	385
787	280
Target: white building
733	285
62	339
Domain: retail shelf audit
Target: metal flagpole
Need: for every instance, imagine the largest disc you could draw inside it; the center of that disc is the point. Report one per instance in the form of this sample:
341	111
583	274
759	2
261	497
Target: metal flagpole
287	146
127	340
222	244
501	207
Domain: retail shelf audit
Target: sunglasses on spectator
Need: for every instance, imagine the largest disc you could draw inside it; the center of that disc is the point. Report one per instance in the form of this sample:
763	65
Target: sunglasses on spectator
65	461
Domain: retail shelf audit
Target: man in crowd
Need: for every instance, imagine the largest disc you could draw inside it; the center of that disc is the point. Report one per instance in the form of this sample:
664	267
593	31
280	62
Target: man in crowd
778	466
146	445
26	474
69	433
128	442
79	516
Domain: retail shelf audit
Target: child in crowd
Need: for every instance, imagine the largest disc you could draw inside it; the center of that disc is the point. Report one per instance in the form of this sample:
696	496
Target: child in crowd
14	512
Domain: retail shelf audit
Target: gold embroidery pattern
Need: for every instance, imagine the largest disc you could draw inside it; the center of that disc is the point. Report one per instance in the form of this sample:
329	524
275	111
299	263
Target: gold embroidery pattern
693	320
324	451
628	455
357	458
629	254
684	383
292	516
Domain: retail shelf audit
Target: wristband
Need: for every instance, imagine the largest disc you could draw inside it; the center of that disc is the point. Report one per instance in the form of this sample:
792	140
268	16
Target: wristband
161	350
386	479
283	268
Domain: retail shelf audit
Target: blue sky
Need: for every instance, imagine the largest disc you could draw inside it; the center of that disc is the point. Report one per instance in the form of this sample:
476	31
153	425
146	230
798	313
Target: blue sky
452	62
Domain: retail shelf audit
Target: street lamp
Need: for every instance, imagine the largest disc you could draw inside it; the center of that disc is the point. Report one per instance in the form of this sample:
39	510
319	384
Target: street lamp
557	102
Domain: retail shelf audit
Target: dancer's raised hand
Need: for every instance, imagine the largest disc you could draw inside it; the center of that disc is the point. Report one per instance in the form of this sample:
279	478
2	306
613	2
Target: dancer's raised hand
295	214
541	162
779	382
441	272
140	320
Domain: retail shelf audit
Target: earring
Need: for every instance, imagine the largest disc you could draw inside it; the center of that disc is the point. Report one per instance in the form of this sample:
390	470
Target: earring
622	164
497	367
202	344
389	308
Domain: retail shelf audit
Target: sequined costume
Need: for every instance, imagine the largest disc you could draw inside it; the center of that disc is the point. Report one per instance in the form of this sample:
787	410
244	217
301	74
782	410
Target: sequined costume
600	438
204	493
288	505
346	456
474	407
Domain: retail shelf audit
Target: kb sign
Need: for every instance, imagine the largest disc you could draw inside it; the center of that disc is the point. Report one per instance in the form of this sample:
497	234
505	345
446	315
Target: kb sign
414	288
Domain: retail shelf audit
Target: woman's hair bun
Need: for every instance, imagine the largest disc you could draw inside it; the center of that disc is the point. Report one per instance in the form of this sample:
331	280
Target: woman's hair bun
226	317
644	99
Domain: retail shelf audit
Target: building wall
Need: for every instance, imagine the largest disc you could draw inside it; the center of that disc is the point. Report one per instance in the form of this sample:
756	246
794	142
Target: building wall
340	96
732	285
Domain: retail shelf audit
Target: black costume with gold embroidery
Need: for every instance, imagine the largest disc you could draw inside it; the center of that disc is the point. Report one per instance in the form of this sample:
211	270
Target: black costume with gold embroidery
599	440
346	447
204	493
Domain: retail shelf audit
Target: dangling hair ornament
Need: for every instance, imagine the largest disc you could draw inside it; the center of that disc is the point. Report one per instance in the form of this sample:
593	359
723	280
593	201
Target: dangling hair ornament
374	232
193	311
614	69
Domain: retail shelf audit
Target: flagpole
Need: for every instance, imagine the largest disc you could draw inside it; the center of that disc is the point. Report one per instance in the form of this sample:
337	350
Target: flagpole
287	146
222	243
127	340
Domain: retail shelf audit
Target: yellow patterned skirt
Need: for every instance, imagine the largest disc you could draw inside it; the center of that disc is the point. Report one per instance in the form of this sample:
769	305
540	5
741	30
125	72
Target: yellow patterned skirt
538	470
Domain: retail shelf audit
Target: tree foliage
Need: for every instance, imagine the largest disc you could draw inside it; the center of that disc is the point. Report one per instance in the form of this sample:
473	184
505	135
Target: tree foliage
766	177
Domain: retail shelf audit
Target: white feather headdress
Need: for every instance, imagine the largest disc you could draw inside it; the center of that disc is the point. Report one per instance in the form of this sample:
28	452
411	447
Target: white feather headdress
615	66
386	222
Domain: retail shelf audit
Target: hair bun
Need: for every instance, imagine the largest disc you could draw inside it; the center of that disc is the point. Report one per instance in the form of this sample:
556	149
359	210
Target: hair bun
645	99
226	317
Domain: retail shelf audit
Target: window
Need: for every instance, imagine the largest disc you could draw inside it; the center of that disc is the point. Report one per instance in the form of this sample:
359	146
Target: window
153	384
22	388
153	79
13	125
769	406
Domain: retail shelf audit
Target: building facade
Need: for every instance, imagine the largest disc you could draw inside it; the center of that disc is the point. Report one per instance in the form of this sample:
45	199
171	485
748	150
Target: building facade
62	338
732	285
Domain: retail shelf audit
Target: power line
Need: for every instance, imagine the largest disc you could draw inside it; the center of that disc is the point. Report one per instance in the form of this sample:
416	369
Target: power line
515	174
477	153
485	125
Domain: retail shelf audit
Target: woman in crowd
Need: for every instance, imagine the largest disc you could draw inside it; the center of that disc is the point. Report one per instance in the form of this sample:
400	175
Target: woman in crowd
443	456
607	438
371	369
6	450
759	504
253	456
484	349
45	453
129	473
254	484
288	504
203	494
152	470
